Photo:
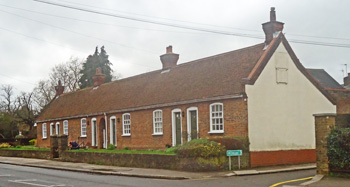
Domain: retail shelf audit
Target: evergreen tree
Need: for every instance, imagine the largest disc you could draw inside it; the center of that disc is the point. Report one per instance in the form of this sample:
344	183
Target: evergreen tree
97	60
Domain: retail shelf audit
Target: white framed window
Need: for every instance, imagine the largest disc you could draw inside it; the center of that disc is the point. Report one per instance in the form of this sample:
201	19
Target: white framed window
65	127
113	130
83	127
44	131
52	128
126	124
157	122
57	128
216	118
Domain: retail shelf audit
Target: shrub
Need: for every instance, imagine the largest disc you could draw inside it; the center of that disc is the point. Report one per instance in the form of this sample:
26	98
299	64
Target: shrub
18	146
126	148
200	148
339	149
5	145
233	142
33	142
111	147
19	136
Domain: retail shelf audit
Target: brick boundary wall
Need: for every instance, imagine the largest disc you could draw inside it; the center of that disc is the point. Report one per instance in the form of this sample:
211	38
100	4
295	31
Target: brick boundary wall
59	150
25	153
323	127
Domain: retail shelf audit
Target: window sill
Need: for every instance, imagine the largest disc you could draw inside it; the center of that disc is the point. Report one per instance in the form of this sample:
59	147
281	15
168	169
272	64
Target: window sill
157	134
215	132
82	136
44	138
126	135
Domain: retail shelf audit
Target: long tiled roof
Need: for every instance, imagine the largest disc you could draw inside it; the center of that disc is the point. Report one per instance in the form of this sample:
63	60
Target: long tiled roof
324	78
214	76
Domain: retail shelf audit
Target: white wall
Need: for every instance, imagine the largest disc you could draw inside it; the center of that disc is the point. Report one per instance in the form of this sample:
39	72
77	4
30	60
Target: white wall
280	116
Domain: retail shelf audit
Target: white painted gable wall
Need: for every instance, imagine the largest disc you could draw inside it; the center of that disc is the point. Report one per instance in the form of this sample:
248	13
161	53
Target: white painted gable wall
280	116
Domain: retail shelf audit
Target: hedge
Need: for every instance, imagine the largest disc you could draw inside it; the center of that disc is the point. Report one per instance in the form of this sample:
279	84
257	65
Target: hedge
339	149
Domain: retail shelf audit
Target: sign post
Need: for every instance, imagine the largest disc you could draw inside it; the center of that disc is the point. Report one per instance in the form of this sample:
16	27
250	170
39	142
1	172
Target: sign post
238	153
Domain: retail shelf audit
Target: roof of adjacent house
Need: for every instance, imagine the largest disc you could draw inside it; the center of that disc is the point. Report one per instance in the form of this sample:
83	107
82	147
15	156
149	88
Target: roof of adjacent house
216	76
324	79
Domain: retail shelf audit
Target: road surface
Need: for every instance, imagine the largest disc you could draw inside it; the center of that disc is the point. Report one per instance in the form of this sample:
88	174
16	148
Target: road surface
11	175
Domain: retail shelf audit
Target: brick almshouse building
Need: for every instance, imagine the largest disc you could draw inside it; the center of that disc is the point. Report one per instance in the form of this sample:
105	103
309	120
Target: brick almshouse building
261	92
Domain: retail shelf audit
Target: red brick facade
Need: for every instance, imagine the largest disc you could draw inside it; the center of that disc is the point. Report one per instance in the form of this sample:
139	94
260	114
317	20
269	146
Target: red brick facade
235	124
342	97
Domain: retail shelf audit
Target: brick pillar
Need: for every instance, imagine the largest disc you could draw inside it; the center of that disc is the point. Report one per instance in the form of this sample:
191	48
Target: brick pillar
54	146
323	126
62	143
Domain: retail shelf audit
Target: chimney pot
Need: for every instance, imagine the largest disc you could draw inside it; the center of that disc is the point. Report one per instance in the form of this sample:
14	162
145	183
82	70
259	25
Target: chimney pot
99	78
169	59
272	14
347	80
59	88
272	26
169	49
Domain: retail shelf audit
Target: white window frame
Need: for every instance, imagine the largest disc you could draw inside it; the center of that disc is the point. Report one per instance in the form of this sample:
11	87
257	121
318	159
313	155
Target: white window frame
44	131
65	127
174	125
211	119
57	128
52	125
111	130
160	122
189	138
93	132
126	134
81	127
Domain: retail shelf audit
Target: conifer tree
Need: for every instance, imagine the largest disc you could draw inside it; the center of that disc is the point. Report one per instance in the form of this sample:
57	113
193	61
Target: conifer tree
97	60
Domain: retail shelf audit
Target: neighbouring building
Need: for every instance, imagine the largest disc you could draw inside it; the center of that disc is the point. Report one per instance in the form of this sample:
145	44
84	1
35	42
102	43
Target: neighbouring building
262	92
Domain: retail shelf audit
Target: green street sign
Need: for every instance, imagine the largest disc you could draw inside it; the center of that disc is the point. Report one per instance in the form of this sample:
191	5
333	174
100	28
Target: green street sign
234	152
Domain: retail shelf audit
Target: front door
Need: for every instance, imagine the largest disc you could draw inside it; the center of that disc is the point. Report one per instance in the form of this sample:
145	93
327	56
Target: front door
178	127
94	135
193	122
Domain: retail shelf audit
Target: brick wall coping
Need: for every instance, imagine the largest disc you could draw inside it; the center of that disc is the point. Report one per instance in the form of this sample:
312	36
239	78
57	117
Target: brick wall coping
235	96
325	114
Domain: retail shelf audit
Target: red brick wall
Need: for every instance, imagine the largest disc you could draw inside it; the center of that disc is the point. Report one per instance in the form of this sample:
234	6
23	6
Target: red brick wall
342	99
235	124
270	158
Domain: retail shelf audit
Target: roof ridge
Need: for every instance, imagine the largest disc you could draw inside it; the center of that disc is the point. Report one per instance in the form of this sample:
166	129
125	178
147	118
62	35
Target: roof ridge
217	55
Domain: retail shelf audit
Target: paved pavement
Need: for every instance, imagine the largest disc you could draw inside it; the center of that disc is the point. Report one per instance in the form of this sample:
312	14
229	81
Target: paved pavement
145	172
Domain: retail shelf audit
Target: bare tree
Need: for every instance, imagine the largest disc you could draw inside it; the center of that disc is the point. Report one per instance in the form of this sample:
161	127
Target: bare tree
68	73
43	93
8	102
26	113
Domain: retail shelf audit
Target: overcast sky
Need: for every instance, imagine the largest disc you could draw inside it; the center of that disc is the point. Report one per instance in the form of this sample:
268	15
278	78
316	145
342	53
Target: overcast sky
36	36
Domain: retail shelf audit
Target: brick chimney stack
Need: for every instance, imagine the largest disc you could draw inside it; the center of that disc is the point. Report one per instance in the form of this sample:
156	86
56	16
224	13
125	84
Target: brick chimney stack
98	78
272	26
59	88
169	59
347	81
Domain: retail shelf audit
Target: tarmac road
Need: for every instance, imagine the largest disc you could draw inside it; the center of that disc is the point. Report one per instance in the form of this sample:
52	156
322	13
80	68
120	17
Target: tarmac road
11	175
